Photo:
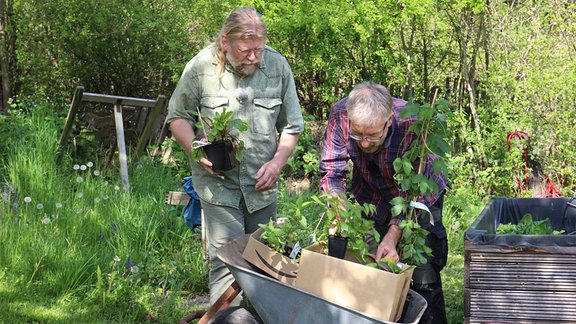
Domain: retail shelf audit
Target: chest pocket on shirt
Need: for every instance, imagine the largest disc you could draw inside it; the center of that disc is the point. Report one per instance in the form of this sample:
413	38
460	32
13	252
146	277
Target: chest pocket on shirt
266	112
212	104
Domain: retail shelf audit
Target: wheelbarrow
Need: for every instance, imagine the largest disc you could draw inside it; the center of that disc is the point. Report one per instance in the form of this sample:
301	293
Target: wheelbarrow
277	302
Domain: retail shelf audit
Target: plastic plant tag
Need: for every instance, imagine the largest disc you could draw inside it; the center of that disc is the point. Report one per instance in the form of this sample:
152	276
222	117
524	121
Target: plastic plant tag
421	206
295	250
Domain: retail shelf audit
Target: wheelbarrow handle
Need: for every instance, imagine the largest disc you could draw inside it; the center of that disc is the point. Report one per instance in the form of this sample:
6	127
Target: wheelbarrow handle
222	302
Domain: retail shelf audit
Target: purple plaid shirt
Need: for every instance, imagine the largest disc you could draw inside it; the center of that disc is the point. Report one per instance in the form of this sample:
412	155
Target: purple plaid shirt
372	173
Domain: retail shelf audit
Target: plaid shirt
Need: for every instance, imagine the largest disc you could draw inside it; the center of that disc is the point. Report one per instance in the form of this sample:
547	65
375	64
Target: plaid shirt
372	173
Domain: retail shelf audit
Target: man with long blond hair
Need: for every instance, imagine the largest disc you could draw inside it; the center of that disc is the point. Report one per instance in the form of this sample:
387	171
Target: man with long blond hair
239	72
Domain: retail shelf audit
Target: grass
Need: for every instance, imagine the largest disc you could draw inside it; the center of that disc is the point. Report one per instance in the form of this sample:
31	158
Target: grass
77	248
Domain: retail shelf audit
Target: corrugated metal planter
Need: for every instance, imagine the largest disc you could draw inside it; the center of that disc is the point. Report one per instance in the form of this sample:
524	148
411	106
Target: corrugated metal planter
521	278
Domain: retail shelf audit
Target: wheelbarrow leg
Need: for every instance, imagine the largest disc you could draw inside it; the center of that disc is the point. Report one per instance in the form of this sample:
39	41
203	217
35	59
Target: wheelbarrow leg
222	302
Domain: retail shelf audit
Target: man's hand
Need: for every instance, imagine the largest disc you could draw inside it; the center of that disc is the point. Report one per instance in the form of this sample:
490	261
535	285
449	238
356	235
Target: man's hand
206	165
387	247
267	176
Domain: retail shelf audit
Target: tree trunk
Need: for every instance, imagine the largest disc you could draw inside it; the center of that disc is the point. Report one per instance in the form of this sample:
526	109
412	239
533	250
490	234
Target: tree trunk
6	93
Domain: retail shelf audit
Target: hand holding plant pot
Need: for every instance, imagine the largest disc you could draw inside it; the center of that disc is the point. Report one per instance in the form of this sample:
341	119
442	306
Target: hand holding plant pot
218	143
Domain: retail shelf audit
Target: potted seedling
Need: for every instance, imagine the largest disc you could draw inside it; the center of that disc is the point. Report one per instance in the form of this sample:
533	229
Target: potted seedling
291	232
347	219
218	142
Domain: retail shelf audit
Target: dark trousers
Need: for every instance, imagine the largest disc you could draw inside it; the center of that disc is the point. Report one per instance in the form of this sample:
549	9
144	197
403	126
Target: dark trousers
426	279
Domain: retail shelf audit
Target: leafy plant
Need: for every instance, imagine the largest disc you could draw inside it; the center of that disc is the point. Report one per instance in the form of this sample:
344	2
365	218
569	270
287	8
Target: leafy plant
431	134
220	128
527	225
347	217
289	233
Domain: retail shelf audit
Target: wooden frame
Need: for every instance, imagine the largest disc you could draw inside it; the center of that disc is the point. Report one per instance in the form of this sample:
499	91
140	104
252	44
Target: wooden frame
118	102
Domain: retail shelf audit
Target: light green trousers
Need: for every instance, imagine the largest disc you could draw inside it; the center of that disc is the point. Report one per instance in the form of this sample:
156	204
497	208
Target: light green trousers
224	224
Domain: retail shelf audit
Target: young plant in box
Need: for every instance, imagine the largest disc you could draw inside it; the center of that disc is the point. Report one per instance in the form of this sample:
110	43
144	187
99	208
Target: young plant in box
291	232
347	218
431	138
218	131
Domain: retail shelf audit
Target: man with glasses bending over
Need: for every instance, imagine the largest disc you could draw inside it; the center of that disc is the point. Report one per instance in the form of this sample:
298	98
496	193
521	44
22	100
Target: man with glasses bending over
240	73
366	129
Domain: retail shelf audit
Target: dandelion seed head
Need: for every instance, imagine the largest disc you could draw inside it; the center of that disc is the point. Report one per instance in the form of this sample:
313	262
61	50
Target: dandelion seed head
79	179
90	164
82	167
134	269
76	167
96	173
79	194
55	216
116	187
58	205
39	206
46	220
27	199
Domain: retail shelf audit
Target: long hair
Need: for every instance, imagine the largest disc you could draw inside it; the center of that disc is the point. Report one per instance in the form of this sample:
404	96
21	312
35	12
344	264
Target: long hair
243	23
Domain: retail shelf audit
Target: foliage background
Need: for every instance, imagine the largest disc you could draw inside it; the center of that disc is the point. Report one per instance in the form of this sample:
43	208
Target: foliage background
504	66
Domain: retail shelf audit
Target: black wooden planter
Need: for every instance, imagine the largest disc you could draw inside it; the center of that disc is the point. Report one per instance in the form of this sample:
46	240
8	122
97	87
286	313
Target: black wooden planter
521	278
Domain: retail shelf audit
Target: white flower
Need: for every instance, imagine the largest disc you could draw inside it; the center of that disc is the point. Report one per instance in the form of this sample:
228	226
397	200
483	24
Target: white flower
27	199
39	206
46	220
96	173
116	187
76	167
79	179
82	167
90	164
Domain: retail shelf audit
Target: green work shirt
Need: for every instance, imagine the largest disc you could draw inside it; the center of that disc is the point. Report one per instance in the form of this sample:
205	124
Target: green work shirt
270	106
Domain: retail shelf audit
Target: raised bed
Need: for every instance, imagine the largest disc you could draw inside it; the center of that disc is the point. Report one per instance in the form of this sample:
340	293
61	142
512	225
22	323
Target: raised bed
521	278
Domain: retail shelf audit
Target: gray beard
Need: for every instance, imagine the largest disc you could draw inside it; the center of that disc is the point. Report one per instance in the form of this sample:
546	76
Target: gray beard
243	70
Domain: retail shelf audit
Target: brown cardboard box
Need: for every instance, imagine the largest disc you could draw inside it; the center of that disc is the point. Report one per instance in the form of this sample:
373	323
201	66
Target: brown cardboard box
372	291
268	260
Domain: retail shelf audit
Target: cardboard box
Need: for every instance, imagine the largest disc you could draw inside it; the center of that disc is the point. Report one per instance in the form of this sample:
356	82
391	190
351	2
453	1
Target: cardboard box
375	292
268	260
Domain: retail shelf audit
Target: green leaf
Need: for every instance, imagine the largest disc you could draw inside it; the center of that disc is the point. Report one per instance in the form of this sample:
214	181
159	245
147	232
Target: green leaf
411	109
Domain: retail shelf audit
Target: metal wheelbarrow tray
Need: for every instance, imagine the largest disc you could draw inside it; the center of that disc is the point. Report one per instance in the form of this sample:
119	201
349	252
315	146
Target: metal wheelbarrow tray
280	303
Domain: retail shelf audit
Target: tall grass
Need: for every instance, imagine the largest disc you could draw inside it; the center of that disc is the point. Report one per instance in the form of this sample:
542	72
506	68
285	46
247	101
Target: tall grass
77	248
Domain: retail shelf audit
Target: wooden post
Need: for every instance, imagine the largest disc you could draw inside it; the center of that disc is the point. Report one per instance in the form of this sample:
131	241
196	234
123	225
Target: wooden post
150	125
118	101
70	118
121	146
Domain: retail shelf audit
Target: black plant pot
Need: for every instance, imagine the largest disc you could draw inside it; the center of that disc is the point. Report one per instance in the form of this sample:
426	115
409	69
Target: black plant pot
220	154
337	246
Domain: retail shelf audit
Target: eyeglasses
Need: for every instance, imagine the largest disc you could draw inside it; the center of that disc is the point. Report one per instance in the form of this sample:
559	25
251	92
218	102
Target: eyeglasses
371	138
245	53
